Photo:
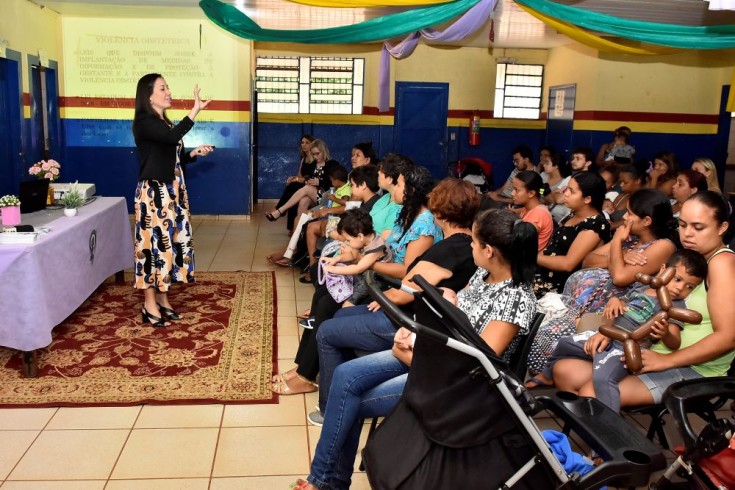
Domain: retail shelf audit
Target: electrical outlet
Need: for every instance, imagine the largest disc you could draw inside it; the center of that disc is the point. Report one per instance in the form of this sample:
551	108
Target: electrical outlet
452	136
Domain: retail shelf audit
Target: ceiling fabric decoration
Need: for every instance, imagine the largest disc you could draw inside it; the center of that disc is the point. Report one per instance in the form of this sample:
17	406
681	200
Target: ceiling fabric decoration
367	3
465	26
386	27
678	36
585	37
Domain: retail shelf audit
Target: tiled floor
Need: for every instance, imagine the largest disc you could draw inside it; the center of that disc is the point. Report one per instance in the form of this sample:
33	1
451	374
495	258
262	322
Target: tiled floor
184	446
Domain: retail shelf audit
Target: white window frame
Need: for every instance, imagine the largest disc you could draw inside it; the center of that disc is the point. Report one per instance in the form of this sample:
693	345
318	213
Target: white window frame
310	85
518	91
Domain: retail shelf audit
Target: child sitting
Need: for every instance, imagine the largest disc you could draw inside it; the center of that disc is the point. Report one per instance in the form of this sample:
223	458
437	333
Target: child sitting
363	247
630	312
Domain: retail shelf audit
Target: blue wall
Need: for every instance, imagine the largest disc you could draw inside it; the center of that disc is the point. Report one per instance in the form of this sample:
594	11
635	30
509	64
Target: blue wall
103	152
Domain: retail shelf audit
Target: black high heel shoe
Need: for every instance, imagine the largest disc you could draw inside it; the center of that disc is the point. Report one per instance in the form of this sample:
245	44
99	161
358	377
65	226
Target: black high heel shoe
272	217
168	313
154	320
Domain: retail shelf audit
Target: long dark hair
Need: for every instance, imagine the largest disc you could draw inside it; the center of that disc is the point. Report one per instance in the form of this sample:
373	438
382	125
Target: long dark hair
143	96
592	186
715	201
672	164
515	240
367	150
654	204
419	183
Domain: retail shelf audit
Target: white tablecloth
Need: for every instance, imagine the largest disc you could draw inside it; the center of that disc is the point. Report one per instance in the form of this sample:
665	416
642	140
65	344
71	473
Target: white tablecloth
44	282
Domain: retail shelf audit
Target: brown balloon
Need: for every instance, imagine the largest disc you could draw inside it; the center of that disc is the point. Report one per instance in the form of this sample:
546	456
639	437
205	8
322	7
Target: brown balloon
632	352
631	349
685	315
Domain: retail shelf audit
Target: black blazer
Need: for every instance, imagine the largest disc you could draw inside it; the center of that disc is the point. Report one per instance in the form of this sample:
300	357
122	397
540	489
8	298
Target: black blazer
157	144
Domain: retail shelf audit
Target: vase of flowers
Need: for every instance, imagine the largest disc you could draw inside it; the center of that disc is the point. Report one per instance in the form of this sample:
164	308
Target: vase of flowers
47	169
10	209
72	199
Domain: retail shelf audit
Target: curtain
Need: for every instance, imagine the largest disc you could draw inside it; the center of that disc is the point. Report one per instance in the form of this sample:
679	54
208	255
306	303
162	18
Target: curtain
678	36
386	27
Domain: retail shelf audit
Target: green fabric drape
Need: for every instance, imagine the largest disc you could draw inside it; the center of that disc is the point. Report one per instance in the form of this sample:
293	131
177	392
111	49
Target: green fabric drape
378	29
691	37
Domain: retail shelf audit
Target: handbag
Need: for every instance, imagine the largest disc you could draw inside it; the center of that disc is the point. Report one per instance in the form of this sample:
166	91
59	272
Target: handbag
339	285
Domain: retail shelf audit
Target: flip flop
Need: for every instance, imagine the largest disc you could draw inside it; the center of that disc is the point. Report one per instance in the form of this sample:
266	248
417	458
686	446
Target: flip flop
537	383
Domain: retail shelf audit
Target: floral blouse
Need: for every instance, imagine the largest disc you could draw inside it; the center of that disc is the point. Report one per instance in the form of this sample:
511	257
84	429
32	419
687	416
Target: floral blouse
483	303
423	225
560	243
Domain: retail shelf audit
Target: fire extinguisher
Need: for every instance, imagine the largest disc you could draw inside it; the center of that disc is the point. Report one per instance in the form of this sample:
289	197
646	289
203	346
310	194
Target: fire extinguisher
475	129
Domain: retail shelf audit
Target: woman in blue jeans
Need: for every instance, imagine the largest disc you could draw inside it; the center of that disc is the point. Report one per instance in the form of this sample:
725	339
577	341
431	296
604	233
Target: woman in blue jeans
499	303
448	263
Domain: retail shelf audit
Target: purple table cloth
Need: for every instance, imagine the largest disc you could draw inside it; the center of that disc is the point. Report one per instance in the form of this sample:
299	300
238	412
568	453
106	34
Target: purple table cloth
44	282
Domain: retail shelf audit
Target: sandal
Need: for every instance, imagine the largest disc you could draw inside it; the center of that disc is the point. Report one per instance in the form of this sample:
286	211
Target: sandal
532	383
282	262
305	315
283	388
272	215
306	279
283	377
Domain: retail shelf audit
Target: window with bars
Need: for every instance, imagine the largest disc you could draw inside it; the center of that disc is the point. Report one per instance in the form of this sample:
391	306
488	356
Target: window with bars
518	91
309	85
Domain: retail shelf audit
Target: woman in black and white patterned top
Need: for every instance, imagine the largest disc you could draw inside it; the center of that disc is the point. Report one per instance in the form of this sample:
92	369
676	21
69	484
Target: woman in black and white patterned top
499	299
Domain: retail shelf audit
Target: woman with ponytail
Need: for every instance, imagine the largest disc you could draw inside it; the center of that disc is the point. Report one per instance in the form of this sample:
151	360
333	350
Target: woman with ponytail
500	305
528	190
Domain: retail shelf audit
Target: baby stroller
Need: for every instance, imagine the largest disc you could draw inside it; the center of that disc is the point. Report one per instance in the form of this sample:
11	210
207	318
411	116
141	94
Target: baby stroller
466	422
707	458
475	170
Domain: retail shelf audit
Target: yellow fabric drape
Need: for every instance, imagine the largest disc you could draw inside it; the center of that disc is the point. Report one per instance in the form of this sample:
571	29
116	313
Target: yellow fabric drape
368	3
585	37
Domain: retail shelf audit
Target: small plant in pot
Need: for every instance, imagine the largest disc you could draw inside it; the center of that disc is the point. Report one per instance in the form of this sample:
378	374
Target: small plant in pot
72	199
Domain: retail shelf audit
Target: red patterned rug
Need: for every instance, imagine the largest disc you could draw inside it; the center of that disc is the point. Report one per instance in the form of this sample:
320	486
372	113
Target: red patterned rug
223	351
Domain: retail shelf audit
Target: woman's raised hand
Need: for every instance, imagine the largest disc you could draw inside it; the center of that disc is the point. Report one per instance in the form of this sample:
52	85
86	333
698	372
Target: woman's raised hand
199	104
623	232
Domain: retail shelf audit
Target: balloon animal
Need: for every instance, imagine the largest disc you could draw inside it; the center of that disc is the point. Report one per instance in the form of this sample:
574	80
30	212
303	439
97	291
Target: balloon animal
630	340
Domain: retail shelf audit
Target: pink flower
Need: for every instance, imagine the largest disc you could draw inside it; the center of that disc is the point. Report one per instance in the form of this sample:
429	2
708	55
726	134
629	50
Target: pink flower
34	170
54	163
55	170
45	165
49	176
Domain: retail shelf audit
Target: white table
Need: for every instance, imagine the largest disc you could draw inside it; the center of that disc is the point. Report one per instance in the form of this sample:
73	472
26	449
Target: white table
44	282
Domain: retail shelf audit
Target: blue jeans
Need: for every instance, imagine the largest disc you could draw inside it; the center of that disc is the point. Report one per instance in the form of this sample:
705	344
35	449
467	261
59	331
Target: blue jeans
351	328
369	386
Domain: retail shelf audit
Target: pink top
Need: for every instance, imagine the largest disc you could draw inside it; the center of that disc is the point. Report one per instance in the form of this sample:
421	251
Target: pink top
541	218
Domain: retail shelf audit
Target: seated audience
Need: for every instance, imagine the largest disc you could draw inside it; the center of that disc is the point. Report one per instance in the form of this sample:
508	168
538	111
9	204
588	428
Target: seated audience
630	179
499	303
446	264
297	181
663	174
314	186
576	236
628	312
582	160
618	150
610	175
522	160
642	244
528	189
706	167
559	173
706	349
688	182
413	234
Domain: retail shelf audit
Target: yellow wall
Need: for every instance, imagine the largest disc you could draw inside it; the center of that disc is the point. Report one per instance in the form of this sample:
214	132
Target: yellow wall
27	28
688	82
106	57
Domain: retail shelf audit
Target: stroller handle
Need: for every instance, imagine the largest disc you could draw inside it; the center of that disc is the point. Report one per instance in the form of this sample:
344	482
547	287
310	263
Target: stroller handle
396	314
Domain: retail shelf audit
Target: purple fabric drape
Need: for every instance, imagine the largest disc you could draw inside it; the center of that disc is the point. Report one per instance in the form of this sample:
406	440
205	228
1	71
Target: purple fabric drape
472	20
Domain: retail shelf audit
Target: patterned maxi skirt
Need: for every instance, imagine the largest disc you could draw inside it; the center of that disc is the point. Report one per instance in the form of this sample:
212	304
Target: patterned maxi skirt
164	253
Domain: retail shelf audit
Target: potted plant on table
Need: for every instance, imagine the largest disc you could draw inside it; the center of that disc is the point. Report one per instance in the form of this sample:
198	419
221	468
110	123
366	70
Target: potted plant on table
10	208
72	199
47	169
